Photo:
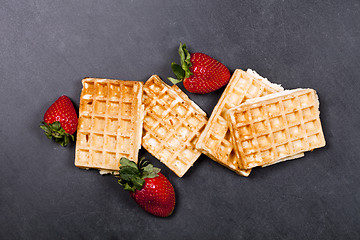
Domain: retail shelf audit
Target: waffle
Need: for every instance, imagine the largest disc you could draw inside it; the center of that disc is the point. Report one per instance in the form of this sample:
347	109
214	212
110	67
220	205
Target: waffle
268	129
172	125
110	123
215	140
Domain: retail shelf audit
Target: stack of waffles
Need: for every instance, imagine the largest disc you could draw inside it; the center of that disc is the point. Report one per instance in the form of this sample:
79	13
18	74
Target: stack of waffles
255	123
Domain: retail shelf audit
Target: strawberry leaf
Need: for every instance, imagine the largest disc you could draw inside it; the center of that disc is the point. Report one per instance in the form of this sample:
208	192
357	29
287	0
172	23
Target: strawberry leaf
181	52
174	81
150	171
185	60
127	187
128	173
178	71
56	126
187	56
131	175
54	130
138	183
127	163
181	71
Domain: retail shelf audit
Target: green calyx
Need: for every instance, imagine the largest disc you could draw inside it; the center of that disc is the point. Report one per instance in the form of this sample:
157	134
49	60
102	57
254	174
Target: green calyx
131	175
181	71
54	130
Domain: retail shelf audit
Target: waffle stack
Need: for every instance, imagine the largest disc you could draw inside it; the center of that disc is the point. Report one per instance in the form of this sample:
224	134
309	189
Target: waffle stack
269	129
110	123
172	125
215	141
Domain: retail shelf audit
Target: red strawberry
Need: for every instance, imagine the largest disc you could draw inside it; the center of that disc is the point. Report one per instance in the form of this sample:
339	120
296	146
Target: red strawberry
200	73
60	121
151	190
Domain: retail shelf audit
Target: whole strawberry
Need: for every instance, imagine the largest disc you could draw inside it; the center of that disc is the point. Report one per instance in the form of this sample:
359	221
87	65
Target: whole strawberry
60	121
151	190
199	72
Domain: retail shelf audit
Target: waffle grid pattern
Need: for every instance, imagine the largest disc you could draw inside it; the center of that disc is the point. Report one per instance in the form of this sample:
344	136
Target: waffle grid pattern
215	141
269	130
109	123
172	125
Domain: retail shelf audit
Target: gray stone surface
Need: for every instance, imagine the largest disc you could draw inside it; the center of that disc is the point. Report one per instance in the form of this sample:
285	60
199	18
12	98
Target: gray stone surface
47	47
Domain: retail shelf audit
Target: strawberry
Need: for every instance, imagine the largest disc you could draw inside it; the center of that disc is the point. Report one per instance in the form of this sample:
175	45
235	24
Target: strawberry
151	190
60	121
199	72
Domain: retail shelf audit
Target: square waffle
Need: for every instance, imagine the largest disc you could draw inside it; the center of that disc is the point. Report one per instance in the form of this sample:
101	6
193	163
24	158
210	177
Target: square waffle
172	125
215	140
268	129
110	123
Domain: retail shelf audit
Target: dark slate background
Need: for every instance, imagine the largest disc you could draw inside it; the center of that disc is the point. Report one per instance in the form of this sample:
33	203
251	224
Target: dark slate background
47	47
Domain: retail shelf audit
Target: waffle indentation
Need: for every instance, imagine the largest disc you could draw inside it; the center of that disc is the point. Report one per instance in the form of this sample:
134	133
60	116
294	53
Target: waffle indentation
213	142
109	123
291	126
172	125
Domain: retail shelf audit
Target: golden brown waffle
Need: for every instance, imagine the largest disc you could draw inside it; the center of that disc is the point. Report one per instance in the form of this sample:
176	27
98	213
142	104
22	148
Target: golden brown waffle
266	130
215	140
110	123
172	125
